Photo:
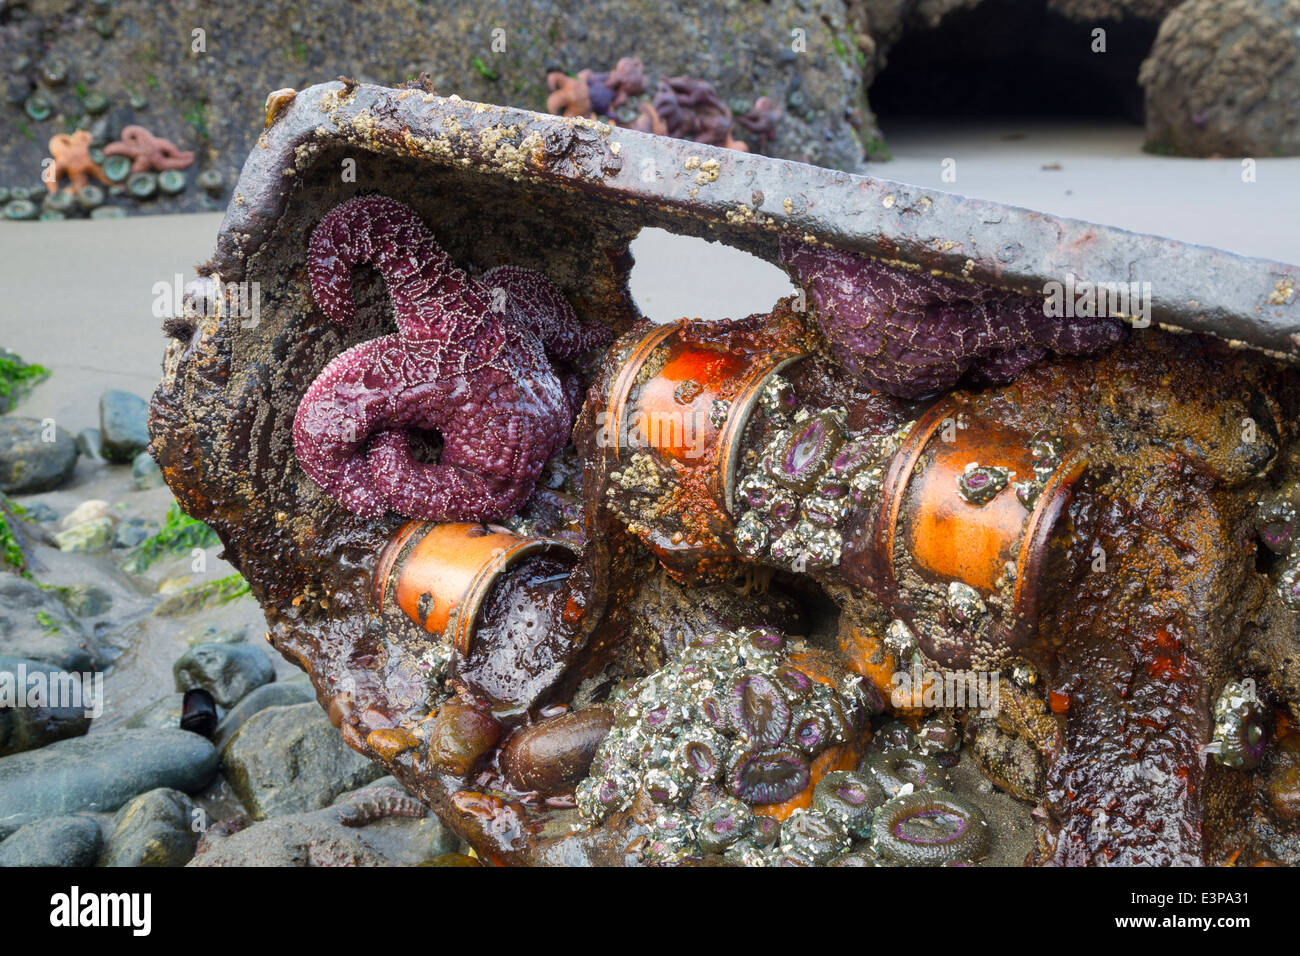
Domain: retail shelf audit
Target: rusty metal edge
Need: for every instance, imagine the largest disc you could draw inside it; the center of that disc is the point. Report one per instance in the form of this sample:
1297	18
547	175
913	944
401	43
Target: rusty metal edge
727	194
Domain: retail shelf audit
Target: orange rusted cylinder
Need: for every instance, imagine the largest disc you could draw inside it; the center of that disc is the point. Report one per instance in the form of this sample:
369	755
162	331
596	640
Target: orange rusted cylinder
439	575
673	422
961	535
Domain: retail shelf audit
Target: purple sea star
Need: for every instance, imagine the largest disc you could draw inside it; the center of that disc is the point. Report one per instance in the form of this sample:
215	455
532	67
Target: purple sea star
608	91
912	334
468	361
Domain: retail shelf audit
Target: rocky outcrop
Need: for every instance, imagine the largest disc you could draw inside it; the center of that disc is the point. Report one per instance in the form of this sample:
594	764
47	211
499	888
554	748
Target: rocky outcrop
1224	79
1090	11
197	74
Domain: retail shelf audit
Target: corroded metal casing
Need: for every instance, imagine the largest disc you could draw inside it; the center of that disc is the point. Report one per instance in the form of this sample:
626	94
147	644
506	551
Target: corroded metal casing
927	535
673	423
439	575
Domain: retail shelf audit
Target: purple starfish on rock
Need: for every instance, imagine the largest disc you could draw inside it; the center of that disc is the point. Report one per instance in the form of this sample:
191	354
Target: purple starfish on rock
912	334
468	361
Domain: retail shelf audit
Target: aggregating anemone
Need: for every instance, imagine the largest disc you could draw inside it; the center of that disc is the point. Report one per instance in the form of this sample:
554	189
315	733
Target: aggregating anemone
929	828
713	750
808	475
728	720
1241	731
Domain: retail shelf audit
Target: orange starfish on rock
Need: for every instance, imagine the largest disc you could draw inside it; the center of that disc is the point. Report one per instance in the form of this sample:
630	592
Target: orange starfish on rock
149	153
71	152
570	96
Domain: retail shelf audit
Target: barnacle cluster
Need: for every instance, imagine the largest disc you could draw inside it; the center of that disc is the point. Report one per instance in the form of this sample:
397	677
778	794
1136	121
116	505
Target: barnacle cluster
809	476
1277	522
1047	451
1240	729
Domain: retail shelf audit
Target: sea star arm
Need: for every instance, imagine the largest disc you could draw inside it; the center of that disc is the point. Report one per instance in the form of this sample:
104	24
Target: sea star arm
537	304
336	416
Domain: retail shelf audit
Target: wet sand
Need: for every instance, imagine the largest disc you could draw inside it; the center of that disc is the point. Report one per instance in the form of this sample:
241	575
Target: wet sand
1105	177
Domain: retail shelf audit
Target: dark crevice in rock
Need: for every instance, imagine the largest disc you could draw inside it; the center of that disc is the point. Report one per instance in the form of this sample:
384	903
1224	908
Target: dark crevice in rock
1014	58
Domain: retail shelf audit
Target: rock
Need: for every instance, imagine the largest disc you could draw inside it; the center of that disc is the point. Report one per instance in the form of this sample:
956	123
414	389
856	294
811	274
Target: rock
287	760
123	425
100	773
55	841
268	695
554	755
1223	79
398	39
35	624
1090	11
26	727
320	837
145	472
90	444
227	671
91	510
132	532
211	634
176	584
154	829
87	600
35	456
161	714
94	535
40	511
302	840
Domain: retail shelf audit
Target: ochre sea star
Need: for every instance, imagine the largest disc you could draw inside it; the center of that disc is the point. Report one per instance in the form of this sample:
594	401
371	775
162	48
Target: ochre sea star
912	334
71	152
469	361
149	153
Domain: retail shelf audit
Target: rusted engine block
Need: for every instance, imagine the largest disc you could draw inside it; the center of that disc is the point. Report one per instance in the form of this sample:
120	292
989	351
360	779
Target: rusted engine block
1131	460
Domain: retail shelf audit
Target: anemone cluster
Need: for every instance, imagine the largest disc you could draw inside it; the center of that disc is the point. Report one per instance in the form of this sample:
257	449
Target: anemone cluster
812	472
734	723
704	747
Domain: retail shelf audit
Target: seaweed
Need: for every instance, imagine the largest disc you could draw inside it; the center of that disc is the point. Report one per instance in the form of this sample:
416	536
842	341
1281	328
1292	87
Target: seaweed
11	552
180	533
198	596
17	378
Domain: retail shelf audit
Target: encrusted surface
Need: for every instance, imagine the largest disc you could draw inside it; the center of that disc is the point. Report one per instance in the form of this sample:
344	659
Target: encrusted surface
501	187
